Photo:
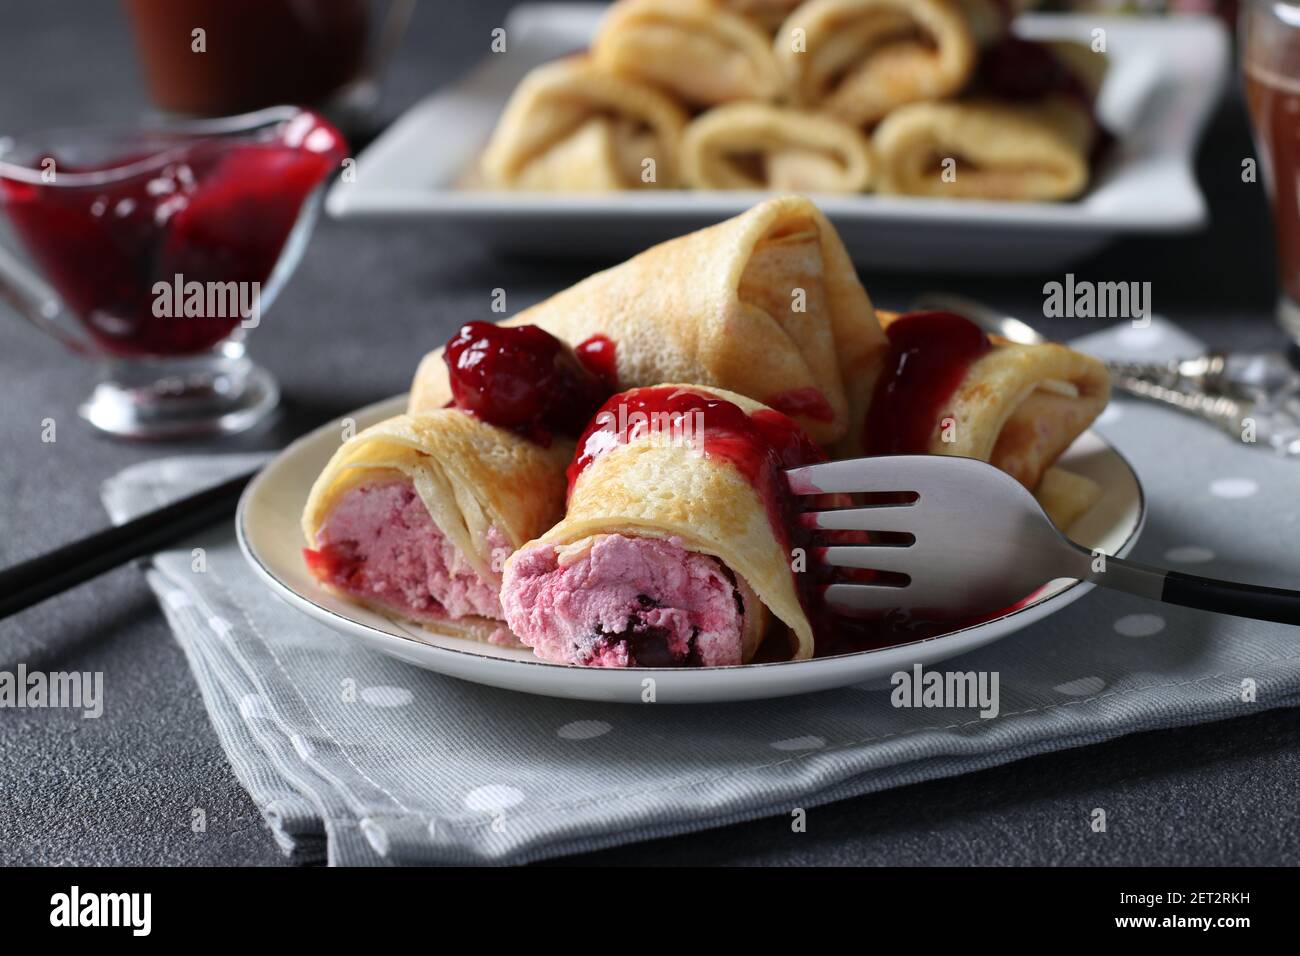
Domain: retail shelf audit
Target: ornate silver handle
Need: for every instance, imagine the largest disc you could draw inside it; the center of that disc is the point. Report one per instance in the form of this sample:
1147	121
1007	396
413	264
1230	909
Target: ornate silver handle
1221	410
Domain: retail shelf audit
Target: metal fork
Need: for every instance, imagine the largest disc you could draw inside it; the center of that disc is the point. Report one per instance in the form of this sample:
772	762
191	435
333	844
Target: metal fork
981	543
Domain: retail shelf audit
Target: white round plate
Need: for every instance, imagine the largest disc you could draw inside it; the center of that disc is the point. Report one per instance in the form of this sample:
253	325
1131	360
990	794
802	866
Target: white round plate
271	539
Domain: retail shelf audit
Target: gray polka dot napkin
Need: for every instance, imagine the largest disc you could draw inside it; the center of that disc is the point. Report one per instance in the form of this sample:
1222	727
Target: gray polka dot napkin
362	759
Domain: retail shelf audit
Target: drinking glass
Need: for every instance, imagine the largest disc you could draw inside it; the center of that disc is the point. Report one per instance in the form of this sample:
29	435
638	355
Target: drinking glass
1270	57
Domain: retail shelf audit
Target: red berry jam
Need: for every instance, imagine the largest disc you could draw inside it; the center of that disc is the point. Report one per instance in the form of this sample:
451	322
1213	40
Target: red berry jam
807	403
760	446
1016	69
210	210
522	378
929	353
600	357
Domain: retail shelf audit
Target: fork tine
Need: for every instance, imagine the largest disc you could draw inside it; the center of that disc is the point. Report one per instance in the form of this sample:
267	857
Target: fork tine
856	598
900	518
893	558
888	473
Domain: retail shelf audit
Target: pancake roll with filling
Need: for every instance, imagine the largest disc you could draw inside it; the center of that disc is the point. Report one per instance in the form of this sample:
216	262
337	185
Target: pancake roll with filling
947	388
416	515
674	549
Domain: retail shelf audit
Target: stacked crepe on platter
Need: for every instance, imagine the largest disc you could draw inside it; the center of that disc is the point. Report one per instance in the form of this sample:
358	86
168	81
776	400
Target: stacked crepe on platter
837	96
572	127
419	515
1035	145
858	60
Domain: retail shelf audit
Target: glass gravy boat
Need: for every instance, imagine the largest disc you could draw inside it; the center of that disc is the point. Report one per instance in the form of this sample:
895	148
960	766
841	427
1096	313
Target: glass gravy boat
155	250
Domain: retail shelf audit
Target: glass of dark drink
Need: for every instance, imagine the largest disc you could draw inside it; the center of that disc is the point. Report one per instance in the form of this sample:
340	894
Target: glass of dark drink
156	250
221	57
1270	57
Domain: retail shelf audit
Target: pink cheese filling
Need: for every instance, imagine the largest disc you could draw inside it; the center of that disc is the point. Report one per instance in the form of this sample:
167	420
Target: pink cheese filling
379	544
625	602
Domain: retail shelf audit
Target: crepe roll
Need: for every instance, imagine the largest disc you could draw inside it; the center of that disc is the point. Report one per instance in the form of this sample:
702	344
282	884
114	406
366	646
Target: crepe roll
760	146
768	14
947	388
860	59
572	127
766	304
415	517
1026	132
984	149
674	549
697	50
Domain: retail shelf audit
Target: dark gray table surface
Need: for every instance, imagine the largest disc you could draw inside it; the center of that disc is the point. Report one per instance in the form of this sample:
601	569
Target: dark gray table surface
366	301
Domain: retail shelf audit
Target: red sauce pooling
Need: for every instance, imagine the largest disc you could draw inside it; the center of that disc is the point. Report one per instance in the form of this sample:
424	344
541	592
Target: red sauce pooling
521	378
807	403
599	356
929	353
219	210
329	563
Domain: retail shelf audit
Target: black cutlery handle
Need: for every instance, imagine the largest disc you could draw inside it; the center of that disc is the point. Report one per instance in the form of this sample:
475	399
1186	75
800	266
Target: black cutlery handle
32	581
1229	597
1188	590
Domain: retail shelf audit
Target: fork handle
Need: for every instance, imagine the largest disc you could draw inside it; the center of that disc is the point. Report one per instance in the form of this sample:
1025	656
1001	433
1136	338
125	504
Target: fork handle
1205	594
1231	597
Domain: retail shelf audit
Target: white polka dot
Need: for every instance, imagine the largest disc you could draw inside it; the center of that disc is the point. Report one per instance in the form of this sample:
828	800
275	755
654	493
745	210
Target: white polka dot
799	743
1112	413
1140	625
492	798
583	730
252	707
302	745
1140	337
1189	554
178	599
375	836
1233	487
1081	687
385	696
220	626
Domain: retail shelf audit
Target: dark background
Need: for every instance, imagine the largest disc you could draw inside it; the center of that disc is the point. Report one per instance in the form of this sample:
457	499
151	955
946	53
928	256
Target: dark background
366	302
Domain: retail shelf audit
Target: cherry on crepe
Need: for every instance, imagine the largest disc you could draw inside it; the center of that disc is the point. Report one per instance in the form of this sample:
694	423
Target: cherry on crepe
522	378
1017	69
